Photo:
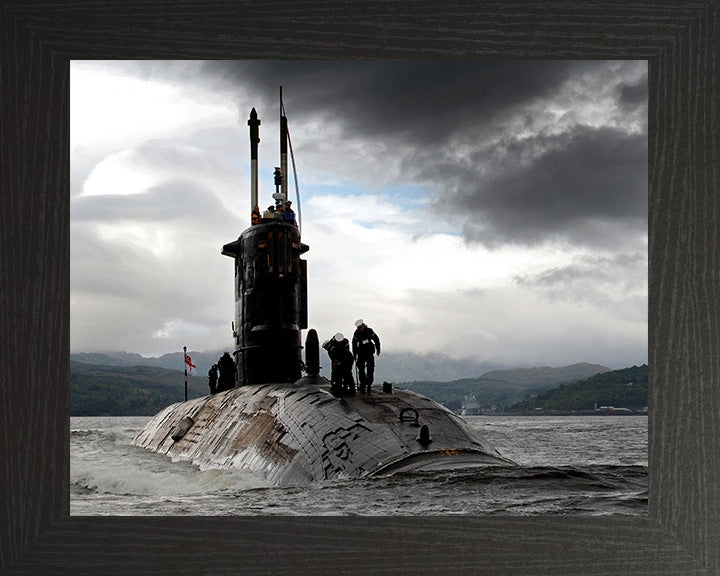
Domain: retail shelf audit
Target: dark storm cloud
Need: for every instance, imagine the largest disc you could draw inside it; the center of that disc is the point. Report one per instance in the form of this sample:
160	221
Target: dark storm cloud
414	101
546	184
635	95
547	189
521	191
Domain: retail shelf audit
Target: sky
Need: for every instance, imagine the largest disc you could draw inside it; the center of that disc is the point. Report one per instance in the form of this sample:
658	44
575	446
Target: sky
493	210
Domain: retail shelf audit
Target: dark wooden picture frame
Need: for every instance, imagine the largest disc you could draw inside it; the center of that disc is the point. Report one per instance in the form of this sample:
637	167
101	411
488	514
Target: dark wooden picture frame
680	40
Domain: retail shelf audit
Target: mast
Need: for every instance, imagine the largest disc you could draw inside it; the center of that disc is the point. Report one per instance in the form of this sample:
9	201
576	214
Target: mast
283	146
254	124
185	363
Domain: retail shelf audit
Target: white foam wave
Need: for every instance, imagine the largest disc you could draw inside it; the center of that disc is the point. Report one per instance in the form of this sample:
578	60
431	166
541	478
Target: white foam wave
102	461
161	479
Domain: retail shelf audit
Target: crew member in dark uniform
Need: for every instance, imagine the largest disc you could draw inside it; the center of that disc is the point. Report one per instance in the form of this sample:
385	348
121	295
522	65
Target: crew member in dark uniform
226	365
289	213
341	380
328	347
364	345
213	378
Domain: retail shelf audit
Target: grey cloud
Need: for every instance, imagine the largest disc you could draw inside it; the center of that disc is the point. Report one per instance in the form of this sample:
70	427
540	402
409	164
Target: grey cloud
631	96
615	284
522	190
552	191
173	200
508	326
122	292
423	102
619	269
83	163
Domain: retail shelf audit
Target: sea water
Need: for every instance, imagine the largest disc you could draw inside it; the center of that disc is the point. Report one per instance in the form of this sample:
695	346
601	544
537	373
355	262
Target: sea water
580	465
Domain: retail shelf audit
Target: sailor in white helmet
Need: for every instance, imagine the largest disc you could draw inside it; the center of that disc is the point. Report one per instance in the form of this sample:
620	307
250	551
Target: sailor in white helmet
365	344
338	348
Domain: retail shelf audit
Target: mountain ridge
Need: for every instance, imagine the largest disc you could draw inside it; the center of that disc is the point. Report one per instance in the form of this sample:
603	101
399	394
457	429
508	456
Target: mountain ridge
390	366
98	389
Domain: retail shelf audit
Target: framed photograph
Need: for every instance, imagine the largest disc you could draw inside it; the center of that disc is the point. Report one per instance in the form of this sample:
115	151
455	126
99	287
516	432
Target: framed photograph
679	534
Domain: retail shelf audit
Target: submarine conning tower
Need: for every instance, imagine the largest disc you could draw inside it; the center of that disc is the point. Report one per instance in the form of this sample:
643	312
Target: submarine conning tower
270	282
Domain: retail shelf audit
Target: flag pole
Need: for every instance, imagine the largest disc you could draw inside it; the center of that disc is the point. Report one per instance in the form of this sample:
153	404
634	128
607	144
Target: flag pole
185	364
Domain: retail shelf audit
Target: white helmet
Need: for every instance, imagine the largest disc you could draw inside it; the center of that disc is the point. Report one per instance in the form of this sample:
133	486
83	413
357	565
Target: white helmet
339	337
359	323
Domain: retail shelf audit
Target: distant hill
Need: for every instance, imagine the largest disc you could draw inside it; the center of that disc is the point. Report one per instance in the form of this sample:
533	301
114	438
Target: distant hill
500	388
390	366
97	390
626	388
434	367
534	378
118	389
173	361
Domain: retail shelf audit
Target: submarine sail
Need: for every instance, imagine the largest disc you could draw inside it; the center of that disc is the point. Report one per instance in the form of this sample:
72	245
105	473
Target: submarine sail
289	428
270	302
270	282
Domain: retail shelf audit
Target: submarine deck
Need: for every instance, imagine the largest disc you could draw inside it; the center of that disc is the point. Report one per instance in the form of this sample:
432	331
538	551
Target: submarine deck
300	432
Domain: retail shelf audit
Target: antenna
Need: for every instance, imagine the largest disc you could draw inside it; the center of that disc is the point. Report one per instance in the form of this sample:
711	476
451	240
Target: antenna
254	124
283	146
292	157
297	188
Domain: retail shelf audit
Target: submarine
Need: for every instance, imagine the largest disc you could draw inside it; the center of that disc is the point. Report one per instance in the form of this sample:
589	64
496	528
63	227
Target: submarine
282	420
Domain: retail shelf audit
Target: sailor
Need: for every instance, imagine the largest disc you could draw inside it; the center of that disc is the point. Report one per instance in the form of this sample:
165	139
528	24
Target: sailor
279	197
255	218
270	212
338	348
226	365
334	368
289	214
213	378
364	345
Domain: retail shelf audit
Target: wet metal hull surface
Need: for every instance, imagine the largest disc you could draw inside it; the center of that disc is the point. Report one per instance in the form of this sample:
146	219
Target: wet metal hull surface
298	433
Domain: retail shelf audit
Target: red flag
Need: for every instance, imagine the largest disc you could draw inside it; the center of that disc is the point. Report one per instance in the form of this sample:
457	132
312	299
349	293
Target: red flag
188	361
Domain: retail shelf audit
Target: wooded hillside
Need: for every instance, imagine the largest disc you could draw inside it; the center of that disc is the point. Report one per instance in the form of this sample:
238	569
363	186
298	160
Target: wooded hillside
626	388
97	390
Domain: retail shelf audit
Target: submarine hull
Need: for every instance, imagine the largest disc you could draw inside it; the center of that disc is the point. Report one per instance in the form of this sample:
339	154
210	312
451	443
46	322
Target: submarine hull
299	433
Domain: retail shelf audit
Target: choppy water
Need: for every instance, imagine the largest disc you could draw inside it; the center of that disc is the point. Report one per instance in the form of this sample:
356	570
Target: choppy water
566	465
